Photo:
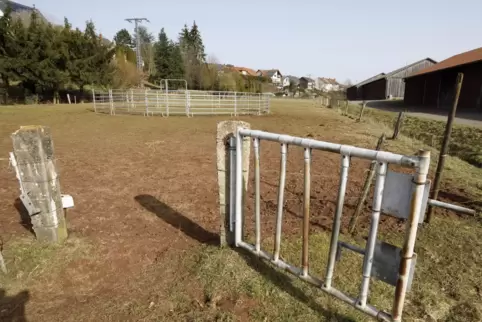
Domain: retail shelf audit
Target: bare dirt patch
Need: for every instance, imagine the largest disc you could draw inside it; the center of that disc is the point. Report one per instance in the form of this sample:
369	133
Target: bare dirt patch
146	196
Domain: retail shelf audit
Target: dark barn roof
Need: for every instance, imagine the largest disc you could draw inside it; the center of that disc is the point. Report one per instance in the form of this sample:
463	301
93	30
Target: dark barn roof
369	80
468	57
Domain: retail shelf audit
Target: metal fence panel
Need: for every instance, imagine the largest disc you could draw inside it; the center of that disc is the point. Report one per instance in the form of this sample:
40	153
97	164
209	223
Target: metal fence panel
180	102
386	262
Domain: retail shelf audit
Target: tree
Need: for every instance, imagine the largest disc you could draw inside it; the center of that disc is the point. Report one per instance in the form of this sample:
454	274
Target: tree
44	58
123	38
348	82
162	56
192	51
210	79
9	50
196	43
167	59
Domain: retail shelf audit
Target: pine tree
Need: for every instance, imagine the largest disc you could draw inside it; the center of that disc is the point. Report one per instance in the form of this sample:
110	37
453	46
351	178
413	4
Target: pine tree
177	66
8	51
123	39
196	43
167	59
192	51
162	56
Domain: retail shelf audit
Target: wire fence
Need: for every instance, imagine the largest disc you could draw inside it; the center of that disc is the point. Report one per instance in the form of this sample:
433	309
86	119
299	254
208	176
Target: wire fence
166	103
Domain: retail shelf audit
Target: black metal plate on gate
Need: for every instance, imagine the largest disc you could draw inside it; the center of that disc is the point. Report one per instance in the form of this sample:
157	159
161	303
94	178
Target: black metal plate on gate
386	262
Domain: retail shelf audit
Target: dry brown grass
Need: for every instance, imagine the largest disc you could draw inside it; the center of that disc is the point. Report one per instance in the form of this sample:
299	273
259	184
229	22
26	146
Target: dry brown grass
146	218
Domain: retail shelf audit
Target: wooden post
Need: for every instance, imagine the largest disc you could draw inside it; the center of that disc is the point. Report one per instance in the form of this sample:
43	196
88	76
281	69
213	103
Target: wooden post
34	153
346	108
361	111
68	98
366	188
398	125
445	146
3	266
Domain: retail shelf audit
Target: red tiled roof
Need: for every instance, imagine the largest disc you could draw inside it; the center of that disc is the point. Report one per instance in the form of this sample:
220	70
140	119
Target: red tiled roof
249	71
468	57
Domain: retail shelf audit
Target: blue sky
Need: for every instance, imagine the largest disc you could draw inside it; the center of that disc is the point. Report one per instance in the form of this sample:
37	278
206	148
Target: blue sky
343	39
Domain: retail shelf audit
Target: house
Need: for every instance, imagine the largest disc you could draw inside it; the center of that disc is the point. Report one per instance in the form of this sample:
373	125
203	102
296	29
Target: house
435	85
385	86
273	74
307	83
20	10
288	80
327	84
244	71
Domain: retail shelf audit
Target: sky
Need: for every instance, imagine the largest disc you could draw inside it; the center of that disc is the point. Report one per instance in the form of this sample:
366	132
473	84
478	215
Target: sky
342	39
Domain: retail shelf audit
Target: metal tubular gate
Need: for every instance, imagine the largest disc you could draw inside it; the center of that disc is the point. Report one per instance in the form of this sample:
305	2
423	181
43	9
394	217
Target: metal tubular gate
180	102
401	275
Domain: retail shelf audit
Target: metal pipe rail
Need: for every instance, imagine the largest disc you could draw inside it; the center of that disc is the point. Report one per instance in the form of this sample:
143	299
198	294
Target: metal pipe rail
175	102
420	163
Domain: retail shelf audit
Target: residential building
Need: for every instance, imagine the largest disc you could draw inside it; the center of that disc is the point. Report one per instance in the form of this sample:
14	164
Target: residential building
327	84
307	83
385	86
435	85
273	74
288	80
244	71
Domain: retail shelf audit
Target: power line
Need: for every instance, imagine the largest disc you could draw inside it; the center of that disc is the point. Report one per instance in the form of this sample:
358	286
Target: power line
137	21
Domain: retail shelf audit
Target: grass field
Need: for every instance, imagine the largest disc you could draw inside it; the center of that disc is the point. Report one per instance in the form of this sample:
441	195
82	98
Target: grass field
465	140
143	233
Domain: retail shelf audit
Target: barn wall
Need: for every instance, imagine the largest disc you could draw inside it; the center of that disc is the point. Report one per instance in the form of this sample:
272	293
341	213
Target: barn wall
374	90
440	88
395	83
351	93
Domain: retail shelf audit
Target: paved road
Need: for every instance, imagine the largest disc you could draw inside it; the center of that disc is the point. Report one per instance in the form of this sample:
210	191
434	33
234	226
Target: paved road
462	117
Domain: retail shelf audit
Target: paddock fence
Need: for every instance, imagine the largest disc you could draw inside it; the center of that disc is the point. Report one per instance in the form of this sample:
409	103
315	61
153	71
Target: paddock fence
150	102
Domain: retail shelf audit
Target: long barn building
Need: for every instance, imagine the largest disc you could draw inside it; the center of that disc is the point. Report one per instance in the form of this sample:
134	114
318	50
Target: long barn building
385	86
435	85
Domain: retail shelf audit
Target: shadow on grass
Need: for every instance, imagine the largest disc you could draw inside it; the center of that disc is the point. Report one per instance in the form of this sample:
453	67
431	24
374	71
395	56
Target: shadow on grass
25	219
177	220
12	308
463	200
284	283
193	230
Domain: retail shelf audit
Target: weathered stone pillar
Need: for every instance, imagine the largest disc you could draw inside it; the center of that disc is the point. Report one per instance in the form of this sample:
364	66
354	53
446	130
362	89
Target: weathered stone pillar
225	130
34	153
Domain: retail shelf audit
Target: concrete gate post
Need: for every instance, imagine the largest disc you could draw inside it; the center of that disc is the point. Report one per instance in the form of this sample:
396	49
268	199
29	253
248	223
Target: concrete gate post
225	130
34	153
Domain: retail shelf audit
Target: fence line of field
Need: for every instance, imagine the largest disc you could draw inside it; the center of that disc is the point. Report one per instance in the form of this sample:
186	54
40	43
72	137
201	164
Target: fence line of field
159	102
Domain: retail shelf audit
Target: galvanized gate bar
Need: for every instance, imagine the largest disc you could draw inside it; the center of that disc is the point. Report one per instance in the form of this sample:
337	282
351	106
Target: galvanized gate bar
257	192
421	163
335	233
380	156
281	194
306	211
372	235
419	179
368	309
239	191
